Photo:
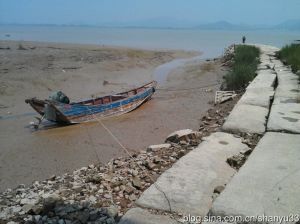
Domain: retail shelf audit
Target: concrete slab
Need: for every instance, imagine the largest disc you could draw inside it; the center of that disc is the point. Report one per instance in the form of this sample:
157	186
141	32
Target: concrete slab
287	78
246	119
189	183
269	65
277	63
280	67
141	216
291	91
267	49
283	100
262	67
285	117
264	79
268	184
258	97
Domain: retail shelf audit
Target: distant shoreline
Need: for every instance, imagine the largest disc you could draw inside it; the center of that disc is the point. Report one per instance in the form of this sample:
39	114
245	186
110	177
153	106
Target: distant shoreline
210	42
289	25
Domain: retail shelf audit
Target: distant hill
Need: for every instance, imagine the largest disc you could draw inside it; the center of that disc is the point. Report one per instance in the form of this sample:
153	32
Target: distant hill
223	25
164	23
288	25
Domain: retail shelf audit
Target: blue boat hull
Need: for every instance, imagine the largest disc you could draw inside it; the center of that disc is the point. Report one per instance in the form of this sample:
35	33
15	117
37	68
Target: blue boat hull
94	108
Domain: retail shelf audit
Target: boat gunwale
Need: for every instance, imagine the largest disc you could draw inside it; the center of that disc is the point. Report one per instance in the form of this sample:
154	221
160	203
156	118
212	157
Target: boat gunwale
66	118
152	84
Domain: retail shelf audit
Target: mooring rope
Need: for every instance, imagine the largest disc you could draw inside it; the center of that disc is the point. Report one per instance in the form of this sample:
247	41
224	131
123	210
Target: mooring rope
127	152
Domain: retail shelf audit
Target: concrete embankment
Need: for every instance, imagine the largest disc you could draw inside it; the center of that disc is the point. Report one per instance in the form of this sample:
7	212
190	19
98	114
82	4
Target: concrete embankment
189	184
268	182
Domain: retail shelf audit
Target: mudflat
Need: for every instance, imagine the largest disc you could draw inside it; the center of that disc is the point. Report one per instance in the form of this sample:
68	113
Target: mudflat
33	69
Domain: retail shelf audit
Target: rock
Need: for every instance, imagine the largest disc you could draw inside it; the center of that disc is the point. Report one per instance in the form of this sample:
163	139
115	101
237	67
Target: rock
135	173
155	148
129	189
37	209
96	179
157	160
37	218
107	196
94	215
112	211
77	188
136	182
52	178
16	209
132	197
27	208
110	221
150	165
28	201
183	135
92	199
50	201
4	213
83	216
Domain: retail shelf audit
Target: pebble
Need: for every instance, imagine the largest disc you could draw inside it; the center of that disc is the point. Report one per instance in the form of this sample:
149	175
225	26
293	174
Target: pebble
87	194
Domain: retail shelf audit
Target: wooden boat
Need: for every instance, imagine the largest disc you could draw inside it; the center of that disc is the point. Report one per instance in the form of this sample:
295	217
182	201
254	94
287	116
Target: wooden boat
106	106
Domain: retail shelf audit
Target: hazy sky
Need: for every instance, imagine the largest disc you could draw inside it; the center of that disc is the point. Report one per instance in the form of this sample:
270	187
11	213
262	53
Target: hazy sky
97	12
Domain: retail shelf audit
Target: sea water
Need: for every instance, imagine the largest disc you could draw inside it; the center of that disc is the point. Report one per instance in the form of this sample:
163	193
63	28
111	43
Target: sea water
210	42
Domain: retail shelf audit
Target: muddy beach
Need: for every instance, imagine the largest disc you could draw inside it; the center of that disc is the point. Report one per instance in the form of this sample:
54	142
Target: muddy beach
31	69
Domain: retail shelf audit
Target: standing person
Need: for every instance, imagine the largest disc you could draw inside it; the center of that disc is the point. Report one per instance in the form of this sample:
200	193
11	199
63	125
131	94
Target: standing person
244	39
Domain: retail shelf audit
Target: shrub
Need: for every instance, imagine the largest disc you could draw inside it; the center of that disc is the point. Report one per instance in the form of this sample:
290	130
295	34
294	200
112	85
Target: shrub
21	47
290	54
245	63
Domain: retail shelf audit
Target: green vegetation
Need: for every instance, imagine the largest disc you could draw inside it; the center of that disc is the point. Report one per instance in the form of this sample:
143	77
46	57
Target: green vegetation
290	54
21	47
245	61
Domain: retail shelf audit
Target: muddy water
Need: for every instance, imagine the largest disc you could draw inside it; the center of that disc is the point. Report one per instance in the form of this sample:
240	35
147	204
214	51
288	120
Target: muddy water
27	155
161	72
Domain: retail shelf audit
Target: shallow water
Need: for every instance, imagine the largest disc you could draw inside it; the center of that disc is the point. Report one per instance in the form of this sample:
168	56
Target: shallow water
211	42
161	72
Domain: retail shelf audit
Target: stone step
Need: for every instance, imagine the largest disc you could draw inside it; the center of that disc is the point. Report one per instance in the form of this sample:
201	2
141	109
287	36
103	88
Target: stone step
286	77
187	187
258	97
246	119
264	79
141	216
285	117
290	92
268	184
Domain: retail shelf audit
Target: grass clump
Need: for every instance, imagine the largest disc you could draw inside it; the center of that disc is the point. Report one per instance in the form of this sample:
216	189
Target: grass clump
290	54
245	61
21	47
